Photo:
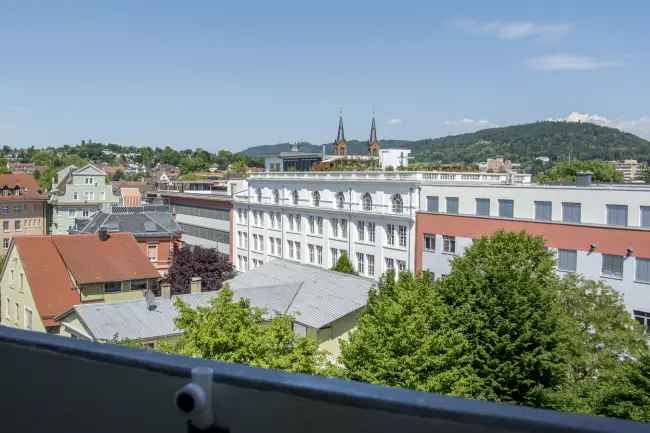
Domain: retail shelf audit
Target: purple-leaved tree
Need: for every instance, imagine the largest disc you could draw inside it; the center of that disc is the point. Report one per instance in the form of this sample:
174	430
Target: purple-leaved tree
194	261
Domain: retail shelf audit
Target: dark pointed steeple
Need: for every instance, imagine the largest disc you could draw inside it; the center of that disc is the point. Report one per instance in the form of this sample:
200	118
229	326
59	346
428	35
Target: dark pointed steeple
340	145
373	142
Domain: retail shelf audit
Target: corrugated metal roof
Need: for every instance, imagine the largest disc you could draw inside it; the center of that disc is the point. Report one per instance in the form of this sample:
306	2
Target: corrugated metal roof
316	297
133	320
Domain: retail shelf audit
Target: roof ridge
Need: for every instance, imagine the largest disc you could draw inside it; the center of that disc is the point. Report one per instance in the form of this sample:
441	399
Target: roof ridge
293	298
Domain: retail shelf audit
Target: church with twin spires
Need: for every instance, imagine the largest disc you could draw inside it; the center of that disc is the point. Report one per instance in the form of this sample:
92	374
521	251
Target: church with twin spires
341	144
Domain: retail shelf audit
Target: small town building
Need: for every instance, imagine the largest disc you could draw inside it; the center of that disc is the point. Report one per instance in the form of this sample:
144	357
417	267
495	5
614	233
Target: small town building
44	276
22	207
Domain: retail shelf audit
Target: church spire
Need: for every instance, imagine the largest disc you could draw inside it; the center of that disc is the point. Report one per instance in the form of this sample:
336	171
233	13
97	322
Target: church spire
340	145
373	142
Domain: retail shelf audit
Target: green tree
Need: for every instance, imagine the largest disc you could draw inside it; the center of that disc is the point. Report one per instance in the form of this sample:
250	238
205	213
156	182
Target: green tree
233	331
118	175
402	340
344	265
501	296
565	172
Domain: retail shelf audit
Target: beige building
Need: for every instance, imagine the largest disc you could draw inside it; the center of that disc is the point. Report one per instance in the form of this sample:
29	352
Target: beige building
22	207
631	169
44	276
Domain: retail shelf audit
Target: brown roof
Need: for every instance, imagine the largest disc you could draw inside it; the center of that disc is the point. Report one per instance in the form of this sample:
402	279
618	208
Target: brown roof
52	289
50	260
91	260
22	180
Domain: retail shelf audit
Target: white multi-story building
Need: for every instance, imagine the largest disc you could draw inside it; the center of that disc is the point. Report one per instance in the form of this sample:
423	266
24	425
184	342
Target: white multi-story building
315	217
599	231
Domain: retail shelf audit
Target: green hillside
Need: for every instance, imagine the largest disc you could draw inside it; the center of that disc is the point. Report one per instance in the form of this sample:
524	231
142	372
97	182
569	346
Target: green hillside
522	143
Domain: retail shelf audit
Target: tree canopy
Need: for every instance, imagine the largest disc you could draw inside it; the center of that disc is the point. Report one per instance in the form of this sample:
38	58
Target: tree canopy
194	261
343	264
565	172
233	331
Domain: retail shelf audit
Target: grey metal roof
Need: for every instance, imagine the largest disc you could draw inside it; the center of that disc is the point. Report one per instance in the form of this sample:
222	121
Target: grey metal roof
154	223
316	297
133	320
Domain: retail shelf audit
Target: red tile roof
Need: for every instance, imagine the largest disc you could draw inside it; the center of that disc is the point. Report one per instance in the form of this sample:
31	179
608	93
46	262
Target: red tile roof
22	180
49	261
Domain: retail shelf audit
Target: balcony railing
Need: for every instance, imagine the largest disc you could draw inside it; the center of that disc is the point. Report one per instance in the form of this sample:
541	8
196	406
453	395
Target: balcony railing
410	176
57	384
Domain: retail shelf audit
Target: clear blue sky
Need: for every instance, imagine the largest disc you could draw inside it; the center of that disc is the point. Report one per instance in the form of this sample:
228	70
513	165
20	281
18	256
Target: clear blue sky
220	74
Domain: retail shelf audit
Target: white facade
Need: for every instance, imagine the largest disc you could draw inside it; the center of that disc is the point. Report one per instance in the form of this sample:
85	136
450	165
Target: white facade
616	215
314	220
394	158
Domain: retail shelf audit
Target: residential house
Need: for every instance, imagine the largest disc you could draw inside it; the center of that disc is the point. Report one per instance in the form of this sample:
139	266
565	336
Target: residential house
164	174
78	193
153	227
22	207
44	276
147	320
325	304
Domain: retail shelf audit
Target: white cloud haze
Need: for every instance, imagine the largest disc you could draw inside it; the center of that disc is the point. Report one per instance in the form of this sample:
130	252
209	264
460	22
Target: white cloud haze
467	124
395	122
568	62
640	126
513	30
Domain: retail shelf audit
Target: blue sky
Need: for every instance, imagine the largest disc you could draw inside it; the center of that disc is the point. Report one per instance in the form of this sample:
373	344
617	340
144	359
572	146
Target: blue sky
233	74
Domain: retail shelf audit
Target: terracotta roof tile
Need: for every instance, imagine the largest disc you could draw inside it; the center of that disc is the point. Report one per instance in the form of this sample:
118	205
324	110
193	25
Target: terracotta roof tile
22	180
50	260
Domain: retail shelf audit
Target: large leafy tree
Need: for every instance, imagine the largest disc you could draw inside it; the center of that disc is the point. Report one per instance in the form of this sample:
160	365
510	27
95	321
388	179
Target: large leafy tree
565	172
402	341
194	261
233	331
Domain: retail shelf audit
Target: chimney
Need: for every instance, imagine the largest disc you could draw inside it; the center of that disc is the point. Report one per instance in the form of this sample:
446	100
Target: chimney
195	285
583	178
103	234
166	290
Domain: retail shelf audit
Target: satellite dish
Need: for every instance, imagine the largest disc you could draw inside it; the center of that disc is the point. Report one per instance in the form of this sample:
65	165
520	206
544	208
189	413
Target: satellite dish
150	299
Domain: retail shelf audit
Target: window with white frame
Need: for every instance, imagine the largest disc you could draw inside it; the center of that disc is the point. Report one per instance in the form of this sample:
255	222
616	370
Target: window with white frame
298	252
366	202
612	266
390	234
616	215
402	236
645	216
643	318
319	225
567	260
89	195
261	238
642	270
340	200
319	254
361	231
543	210
315	199
397	204
344	228
390	264
452	205
429	242
258	195
29	319
152	252
334	254
371	232
401	266
88	180
290	250
361	263
334	222
298	223
449	244
272	246
5	226
310	249
432	204
370	260
291	222
5	243
18	225
75	195
255	242
483	206
312	224
294	198
276	196
506	208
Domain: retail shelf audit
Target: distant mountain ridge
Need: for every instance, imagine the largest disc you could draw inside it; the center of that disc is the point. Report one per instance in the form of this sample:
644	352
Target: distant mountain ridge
556	140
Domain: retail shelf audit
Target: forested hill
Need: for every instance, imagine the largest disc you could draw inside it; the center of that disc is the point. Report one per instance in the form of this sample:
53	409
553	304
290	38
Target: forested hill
519	142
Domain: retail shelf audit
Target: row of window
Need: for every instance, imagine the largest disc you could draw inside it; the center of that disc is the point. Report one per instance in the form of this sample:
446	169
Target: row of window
89	195
74	212
567	260
203	212
19	224
116	286
206	233
18	208
617	214
28	316
397	203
